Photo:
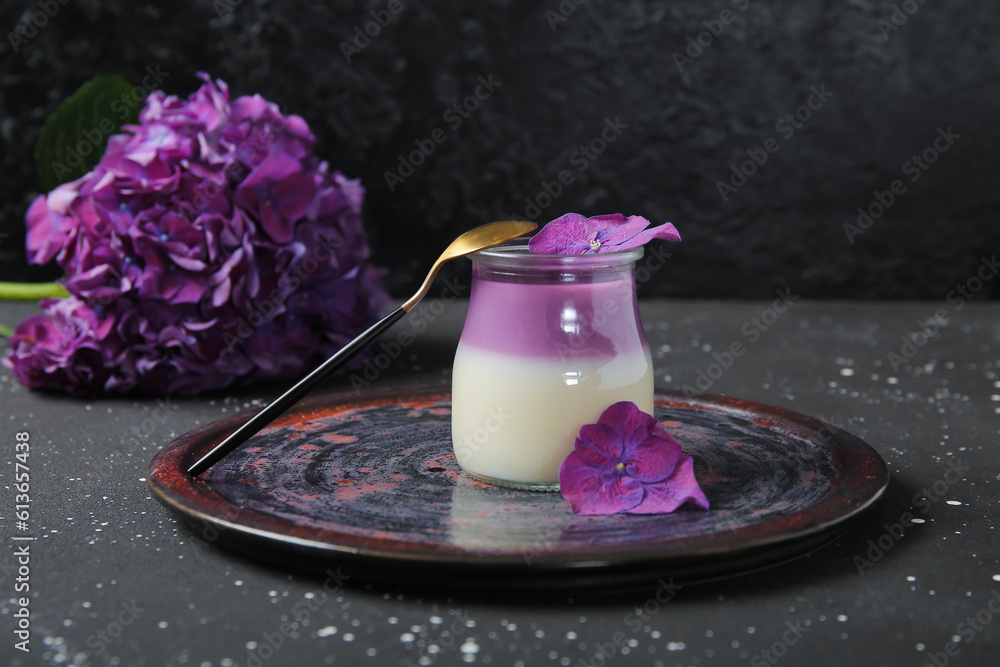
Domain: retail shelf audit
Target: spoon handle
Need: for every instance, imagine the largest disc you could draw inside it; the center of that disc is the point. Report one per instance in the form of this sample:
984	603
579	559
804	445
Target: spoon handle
290	397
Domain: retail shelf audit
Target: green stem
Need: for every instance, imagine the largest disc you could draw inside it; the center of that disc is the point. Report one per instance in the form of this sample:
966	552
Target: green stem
31	291
6	331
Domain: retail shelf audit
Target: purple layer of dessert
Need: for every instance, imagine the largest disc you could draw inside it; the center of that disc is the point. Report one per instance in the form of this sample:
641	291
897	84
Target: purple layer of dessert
554	321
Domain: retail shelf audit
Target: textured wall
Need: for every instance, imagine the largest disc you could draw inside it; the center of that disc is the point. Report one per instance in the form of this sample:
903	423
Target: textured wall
559	81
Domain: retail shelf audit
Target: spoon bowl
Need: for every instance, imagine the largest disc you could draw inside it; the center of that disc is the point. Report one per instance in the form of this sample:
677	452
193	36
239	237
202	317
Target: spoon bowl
480	238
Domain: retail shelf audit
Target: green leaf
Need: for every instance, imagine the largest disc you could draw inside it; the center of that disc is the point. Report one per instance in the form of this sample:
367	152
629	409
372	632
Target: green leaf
74	137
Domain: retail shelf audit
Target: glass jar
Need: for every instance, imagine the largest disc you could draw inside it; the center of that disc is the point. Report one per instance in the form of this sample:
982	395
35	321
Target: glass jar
549	343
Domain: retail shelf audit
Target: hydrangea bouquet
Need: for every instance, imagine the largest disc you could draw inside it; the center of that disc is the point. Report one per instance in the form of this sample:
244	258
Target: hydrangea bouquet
209	247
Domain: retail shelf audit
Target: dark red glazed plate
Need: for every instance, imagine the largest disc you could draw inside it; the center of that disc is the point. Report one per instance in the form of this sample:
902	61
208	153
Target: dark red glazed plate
370	483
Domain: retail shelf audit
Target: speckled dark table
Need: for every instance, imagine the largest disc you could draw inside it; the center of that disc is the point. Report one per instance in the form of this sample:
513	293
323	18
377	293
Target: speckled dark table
116	580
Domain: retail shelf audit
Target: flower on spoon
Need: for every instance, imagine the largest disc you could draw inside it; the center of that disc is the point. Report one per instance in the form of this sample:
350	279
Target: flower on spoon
627	463
574	234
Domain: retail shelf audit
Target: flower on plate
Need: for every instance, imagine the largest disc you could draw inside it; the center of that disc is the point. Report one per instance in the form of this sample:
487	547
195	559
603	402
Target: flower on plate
628	463
574	234
209	247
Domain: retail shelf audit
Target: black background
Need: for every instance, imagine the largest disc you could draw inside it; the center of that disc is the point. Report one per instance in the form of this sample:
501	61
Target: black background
560	80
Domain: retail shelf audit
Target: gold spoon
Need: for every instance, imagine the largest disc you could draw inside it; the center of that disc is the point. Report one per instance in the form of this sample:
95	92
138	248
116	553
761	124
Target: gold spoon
480	238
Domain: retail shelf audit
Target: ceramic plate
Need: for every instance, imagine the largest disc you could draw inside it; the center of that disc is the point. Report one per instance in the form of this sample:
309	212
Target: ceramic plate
370	482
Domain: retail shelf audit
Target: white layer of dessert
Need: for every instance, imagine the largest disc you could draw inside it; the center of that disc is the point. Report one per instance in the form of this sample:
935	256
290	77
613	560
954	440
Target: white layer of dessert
516	418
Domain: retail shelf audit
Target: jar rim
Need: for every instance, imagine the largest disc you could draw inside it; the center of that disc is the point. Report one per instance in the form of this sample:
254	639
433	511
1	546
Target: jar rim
515	254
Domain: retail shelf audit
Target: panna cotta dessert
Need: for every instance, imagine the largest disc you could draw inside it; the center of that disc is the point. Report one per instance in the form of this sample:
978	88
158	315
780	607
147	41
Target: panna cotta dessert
549	343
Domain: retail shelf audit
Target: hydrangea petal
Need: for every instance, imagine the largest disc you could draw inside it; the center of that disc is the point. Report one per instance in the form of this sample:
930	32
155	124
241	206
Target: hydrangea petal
574	234
628	455
666	231
591	492
600	443
654	459
630	423
616	229
48	231
679	488
566	235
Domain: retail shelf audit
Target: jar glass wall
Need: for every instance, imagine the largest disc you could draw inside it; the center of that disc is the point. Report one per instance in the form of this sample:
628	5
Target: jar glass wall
549	343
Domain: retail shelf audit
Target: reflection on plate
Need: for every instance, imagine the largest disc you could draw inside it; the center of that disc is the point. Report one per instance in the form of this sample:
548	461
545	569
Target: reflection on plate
371	483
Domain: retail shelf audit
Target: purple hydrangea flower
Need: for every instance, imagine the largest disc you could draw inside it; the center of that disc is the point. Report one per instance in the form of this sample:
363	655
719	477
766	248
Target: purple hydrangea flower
628	463
71	346
209	247
574	234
